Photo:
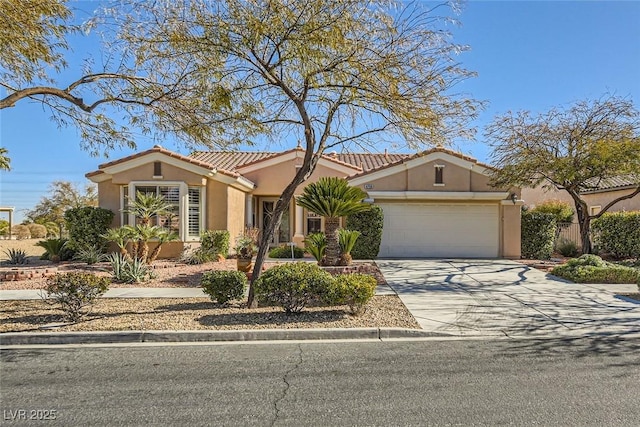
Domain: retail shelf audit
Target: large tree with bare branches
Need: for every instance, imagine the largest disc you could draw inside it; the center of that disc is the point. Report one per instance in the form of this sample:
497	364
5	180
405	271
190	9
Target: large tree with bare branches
111	99
328	73
573	150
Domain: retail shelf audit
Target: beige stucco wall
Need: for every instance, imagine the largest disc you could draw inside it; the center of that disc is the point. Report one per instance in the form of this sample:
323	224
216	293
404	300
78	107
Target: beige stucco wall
236	202
535	196
145	173
109	198
271	180
216	205
511	231
422	178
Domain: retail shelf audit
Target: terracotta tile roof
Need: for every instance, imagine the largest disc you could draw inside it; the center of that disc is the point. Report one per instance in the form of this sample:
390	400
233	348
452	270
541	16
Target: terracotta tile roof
228	162
613	183
232	160
159	149
422	154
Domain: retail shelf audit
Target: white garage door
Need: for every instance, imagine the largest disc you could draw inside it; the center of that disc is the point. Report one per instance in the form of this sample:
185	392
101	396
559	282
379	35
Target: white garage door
440	230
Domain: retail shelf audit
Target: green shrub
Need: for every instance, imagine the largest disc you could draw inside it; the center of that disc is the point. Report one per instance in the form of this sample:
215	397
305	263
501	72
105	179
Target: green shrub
593	269
87	226
567	248
538	233
293	286
127	270
369	224
618	233
562	211
284	251
224	286
4	227
16	256
21	231
53	248
214	242
76	292
316	245
354	290
37	231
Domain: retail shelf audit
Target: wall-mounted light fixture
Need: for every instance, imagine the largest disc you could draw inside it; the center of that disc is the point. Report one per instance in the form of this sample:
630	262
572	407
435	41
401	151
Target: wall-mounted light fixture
514	198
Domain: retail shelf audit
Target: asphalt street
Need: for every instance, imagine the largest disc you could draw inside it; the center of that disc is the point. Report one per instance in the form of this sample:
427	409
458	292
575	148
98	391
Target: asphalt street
568	382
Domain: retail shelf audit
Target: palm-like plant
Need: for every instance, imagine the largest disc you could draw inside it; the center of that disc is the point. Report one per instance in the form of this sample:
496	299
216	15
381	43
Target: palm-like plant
332	198
347	240
147	205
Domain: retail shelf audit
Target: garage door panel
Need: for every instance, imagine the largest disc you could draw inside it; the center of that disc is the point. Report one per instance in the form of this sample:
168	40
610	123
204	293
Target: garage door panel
440	230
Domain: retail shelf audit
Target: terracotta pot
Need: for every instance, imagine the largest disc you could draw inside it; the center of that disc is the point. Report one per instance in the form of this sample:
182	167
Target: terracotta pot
244	264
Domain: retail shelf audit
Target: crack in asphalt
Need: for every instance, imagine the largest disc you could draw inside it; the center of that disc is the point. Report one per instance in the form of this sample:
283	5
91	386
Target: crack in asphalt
287	386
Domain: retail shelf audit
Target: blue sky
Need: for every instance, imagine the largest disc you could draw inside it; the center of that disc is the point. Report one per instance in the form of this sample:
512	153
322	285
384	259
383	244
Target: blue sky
528	56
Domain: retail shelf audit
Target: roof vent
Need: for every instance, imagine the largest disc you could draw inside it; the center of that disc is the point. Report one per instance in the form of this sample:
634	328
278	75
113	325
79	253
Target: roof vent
157	146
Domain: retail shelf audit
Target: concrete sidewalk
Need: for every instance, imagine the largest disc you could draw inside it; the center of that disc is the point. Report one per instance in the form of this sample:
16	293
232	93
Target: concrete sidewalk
506	298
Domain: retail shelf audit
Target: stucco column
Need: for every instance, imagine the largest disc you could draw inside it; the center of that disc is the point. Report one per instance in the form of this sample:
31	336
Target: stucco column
298	237
249	211
511	229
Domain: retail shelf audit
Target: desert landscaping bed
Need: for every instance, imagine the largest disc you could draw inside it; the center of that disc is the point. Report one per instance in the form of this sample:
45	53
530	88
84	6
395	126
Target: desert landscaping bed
197	314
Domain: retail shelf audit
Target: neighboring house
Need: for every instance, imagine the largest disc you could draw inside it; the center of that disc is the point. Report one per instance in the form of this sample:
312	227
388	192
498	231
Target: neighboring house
437	203
602	193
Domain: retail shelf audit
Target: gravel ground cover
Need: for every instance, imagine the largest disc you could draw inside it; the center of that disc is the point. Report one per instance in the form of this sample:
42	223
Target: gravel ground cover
179	313
197	314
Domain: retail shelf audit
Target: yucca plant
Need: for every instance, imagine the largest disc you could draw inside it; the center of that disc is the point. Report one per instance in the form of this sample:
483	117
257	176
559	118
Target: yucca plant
332	198
316	245
347	240
17	256
53	247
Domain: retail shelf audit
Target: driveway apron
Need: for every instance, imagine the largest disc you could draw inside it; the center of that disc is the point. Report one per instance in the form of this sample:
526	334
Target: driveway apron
505	298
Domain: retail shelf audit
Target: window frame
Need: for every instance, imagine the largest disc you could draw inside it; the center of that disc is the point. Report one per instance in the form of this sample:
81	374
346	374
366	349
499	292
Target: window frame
183	205
438	179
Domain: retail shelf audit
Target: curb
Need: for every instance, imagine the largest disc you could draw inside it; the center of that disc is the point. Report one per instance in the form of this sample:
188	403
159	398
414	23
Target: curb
113	337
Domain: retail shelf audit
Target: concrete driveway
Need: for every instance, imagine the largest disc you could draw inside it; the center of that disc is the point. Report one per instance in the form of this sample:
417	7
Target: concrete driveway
505	298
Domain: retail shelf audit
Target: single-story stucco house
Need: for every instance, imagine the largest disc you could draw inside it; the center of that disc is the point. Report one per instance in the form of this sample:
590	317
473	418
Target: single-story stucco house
602	193
437	203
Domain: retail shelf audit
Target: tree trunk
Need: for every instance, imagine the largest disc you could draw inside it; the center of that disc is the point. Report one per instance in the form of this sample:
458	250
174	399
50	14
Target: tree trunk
584	221
308	166
331	226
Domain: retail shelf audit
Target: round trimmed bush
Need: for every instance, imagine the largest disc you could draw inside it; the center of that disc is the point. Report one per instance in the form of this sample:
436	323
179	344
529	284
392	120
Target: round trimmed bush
354	290
224	286
38	231
293	286
21	231
285	252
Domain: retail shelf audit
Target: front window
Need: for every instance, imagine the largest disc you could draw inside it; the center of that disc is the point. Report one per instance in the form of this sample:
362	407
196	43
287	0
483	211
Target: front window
314	223
439	178
185	215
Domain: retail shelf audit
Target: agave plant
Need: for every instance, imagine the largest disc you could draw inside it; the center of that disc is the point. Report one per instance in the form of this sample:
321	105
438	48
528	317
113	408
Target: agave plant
17	256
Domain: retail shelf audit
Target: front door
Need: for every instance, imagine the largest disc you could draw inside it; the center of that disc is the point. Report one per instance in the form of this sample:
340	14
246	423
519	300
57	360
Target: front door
282	233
